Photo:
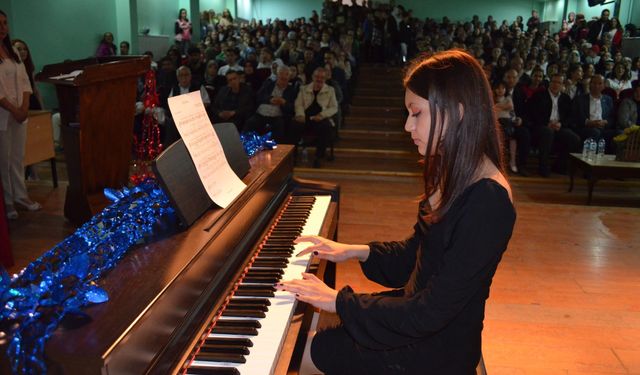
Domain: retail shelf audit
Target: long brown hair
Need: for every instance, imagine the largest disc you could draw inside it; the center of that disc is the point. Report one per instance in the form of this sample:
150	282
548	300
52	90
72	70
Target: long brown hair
7	44
447	80
28	62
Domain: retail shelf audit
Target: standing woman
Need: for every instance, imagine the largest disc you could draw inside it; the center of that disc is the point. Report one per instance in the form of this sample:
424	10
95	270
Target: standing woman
15	90
182	30
431	321
106	46
616	34
35	100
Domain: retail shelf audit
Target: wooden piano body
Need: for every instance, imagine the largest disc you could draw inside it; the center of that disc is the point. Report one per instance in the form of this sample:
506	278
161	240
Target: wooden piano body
163	294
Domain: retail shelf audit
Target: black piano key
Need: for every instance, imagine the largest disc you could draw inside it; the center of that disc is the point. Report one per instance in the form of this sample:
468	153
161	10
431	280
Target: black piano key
295	227
269	259
288	240
220	357
228	341
233	330
238	323
202	370
265	264
255	293
277	243
262	273
258	271
277	262
287	236
220	349
260	280
255	287
303	198
245	313
262	276
262	308
274	255
250	301
269	247
284	250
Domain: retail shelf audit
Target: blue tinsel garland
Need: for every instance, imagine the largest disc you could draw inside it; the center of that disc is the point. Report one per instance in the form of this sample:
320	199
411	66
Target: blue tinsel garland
63	280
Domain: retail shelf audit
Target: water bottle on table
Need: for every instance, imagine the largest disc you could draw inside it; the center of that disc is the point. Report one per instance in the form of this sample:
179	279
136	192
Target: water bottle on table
601	147
592	150
585	148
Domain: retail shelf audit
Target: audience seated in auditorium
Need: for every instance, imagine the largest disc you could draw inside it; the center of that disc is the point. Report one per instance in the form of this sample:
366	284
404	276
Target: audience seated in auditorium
315	105
629	109
592	113
275	101
549	111
234	102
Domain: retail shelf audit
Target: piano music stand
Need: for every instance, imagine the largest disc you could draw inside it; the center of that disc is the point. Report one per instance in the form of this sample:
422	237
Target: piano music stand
179	178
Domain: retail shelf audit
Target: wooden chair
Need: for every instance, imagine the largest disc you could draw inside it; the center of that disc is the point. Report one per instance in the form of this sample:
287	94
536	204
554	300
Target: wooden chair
309	138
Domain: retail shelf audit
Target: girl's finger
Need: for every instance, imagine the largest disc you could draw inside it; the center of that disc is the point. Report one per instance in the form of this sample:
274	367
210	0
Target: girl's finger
312	239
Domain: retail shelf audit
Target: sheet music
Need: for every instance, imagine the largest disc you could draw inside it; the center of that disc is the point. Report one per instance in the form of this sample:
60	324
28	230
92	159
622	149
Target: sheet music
204	146
68	76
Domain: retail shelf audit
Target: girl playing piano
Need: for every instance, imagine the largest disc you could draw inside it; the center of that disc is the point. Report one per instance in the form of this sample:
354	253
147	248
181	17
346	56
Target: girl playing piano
431	320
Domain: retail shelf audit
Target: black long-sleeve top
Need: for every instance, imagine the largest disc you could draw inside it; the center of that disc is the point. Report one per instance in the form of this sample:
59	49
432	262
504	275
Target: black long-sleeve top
443	273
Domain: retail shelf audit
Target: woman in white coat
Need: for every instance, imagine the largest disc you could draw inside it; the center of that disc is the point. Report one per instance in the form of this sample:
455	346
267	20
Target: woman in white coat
15	90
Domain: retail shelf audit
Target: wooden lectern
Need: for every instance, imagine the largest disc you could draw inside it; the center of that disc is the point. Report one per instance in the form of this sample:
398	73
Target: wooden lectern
97	107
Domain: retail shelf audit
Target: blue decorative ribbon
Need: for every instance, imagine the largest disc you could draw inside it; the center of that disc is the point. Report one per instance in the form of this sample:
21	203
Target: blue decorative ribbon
63	280
253	142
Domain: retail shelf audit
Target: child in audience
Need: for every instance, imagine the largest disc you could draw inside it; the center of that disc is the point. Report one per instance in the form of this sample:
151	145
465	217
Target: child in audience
507	119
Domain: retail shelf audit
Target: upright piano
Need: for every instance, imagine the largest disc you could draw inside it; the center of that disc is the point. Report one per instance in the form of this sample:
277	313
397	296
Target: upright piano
201	301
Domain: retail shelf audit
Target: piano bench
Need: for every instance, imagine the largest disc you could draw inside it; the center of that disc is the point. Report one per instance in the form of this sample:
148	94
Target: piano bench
332	320
481	369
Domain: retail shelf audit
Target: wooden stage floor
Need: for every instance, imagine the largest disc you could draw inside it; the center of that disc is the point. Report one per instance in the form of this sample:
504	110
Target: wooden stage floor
565	299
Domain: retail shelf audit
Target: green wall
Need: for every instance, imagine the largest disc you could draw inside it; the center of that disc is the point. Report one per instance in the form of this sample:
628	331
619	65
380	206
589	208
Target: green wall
124	27
61	29
160	15
283	9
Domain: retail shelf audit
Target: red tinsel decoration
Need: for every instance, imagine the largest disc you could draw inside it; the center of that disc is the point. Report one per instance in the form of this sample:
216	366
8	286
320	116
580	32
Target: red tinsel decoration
148	147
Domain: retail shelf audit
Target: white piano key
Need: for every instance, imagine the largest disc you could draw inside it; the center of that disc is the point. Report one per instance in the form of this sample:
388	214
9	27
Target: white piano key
263	355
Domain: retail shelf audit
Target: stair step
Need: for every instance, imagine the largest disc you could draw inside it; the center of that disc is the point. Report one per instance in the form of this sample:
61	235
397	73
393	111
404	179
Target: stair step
374	123
373	134
376	143
397	92
377	101
365	162
370	71
394	112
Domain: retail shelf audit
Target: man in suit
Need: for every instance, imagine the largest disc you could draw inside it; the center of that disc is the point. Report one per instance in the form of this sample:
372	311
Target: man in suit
275	100
592	113
549	111
599	27
234	102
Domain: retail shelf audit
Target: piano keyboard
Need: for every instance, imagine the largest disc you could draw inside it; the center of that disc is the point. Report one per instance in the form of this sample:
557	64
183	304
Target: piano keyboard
247	334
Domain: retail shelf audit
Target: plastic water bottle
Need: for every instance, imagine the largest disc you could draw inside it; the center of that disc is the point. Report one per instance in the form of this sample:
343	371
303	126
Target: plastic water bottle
593	147
601	147
585	148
